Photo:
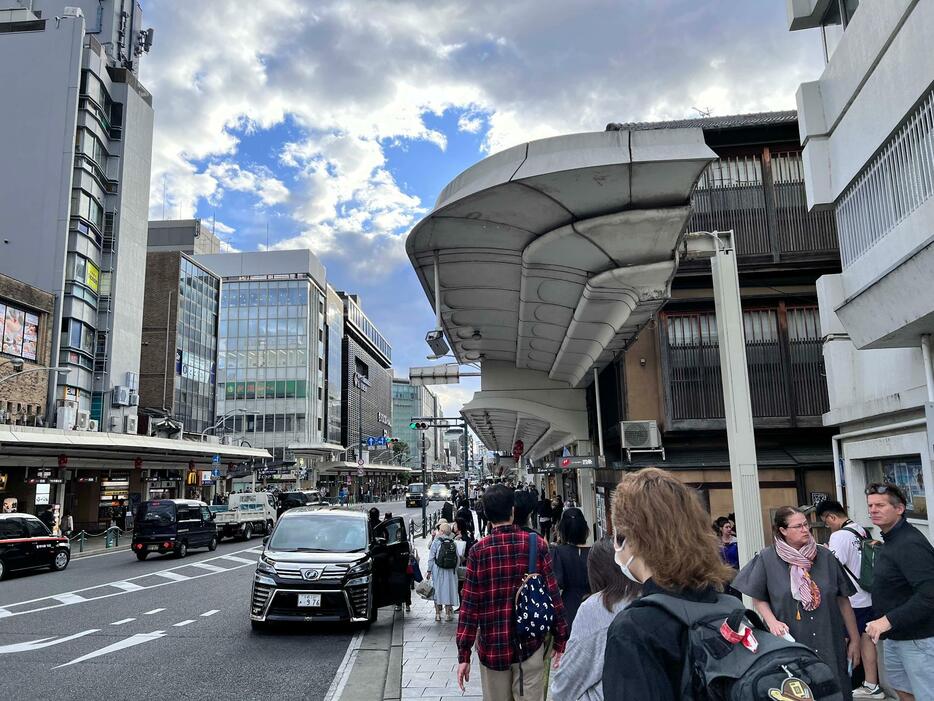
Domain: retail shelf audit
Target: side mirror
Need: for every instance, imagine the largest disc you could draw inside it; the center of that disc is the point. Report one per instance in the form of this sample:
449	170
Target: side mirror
265	539
213	515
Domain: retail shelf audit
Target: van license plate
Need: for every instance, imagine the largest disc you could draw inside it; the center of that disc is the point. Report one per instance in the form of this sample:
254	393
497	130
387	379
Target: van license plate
152	547
309	600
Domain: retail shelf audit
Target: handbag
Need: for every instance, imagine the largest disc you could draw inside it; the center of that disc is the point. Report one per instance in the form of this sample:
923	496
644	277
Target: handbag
425	589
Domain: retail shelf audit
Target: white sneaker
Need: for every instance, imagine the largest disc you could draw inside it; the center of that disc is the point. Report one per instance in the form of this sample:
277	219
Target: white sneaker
867	692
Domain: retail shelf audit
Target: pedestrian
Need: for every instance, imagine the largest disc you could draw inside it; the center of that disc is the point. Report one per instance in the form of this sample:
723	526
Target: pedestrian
523	505
902	596
845	543
68	524
373	518
442	573
481	514
799	589
466	515
447	511
47	516
580	676
662	541
729	548
496	568
414	573
570	560
544	518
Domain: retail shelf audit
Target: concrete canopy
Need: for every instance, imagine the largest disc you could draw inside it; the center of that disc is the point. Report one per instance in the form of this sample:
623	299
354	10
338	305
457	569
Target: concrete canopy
553	255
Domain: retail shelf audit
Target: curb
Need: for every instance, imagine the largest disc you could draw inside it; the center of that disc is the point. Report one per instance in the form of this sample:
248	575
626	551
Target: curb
75	555
372	670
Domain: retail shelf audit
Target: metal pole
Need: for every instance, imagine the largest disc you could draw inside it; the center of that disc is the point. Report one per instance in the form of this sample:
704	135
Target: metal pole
437	294
424	487
465	459
596	389
737	403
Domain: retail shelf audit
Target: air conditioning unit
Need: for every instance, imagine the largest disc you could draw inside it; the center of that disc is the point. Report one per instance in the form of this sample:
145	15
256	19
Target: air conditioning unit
93	425
115	423
134	398
121	395
640	435
226	440
65	418
83	421
131	424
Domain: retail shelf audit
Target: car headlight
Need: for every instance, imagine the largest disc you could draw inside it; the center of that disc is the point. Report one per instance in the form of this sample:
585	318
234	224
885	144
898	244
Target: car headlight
362	568
266	566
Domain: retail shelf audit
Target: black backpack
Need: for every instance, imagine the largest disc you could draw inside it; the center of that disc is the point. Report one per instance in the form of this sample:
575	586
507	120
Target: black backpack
718	670
446	557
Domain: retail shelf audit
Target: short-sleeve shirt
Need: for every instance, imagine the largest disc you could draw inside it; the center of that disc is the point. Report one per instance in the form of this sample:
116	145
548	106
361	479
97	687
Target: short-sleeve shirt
844	544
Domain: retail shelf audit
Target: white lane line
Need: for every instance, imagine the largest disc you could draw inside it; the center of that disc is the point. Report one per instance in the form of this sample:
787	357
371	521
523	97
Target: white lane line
68	598
258	551
343	670
182	623
234	558
137	639
126	586
209	568
174	576
43	642
149	613
8	606
210	613
122	621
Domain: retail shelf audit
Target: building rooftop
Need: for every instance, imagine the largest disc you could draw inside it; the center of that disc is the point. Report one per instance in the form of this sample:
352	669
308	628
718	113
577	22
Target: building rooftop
728	121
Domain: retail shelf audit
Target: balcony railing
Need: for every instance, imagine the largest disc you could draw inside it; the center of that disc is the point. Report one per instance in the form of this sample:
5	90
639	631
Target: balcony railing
762	198
783	356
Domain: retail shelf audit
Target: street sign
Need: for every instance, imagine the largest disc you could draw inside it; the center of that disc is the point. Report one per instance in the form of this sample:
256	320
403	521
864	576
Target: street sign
371	441
361	464
215	473
216	458
359	472
573	461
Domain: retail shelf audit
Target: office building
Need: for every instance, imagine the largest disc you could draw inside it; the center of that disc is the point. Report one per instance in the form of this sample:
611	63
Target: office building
74	202
178	361
367	379
410	401
333	367
271	348
189	236
867	126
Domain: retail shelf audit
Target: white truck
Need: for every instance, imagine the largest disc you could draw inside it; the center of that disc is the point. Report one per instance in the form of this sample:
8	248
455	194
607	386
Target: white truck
244	515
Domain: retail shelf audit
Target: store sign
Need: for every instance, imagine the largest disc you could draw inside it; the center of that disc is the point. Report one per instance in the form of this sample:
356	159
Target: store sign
85	480
577	461
47	480
92	276
3	479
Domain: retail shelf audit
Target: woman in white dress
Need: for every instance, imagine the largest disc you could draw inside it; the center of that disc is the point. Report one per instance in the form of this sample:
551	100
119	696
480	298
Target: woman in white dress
444	579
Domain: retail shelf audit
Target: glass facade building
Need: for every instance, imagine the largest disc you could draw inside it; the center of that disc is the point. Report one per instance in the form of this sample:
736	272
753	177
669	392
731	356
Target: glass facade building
335	335
409	401
196	345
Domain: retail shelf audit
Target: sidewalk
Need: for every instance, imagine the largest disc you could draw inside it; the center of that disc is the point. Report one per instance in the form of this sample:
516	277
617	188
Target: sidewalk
429	653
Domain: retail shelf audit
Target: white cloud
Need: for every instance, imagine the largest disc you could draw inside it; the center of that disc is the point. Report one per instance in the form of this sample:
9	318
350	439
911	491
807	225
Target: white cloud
267	188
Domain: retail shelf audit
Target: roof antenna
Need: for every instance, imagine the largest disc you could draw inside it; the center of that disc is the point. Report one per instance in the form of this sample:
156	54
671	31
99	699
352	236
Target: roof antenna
702	113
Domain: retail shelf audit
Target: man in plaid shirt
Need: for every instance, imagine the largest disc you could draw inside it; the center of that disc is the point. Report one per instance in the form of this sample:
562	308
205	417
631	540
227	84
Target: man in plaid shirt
495	567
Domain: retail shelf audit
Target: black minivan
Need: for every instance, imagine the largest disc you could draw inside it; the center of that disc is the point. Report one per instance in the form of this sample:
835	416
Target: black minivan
173	525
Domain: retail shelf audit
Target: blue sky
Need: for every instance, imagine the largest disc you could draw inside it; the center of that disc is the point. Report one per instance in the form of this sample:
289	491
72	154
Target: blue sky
336	124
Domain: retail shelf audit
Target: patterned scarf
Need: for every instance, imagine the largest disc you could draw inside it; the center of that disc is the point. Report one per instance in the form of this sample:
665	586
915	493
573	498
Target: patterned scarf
803	588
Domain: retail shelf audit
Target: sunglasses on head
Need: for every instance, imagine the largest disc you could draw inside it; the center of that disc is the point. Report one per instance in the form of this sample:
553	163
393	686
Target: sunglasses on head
885	489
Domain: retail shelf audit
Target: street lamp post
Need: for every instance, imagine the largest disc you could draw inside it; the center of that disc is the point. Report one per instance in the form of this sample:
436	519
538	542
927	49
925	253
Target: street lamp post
737	402
221	420
19	373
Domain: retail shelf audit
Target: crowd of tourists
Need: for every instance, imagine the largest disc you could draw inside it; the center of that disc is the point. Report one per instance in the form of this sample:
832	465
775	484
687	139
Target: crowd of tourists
655	611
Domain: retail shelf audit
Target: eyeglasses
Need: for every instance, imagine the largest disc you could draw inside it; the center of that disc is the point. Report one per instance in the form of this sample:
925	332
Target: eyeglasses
799	527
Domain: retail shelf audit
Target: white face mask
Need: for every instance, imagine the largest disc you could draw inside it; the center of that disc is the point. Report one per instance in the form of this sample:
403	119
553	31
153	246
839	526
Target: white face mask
625	567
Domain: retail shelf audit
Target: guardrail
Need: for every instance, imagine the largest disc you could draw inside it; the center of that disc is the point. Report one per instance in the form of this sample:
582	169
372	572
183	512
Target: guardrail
111	537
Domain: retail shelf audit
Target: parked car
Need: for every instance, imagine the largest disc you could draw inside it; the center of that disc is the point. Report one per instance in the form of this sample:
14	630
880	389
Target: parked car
439	492
27	544
328	565
414	494
173	526
244	515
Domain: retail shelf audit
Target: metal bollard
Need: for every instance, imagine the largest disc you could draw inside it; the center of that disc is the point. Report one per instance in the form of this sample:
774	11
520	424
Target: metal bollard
81	537
108	539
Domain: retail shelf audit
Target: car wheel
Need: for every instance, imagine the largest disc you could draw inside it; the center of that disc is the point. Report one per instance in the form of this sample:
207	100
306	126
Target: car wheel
60	561
2	569
181	550
142	556
247	531
212	546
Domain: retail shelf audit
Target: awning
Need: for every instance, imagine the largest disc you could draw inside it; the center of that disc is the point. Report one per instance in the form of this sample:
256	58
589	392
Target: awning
28	446
716	458
341	466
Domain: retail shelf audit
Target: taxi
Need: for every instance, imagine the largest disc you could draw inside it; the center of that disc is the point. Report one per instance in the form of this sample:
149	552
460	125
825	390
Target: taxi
26	544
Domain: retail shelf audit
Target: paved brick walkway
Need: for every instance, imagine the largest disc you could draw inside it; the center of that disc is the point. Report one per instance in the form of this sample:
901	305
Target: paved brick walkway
429	656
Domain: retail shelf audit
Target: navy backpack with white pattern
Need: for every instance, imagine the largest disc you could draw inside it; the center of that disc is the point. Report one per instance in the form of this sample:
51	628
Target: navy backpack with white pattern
534	609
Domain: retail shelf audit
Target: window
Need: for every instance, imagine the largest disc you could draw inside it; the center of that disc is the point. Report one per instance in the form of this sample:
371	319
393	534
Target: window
35	528
906	473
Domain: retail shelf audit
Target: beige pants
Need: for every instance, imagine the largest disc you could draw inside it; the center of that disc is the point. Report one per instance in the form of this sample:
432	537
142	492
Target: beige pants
504	686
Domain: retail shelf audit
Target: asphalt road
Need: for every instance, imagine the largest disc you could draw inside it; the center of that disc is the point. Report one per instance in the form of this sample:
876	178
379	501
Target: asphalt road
111	627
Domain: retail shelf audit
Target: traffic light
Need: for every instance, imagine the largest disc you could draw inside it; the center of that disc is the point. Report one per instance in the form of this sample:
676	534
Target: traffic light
419	425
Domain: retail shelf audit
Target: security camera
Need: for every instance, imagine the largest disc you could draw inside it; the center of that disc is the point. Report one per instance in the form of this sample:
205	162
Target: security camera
435	341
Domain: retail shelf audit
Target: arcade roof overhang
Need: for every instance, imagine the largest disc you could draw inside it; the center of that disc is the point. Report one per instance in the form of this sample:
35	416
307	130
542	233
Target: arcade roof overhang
553	255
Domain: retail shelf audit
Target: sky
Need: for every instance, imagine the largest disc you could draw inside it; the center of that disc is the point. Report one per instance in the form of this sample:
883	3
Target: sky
334	125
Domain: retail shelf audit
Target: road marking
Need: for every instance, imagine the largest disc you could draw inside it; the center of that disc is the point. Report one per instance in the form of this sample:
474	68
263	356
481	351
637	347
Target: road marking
343	670
234	558
122	621
182	623
43	642
137	639
174	576
258	551
126	586
9	609
211	612
68	598
149	613
209	568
